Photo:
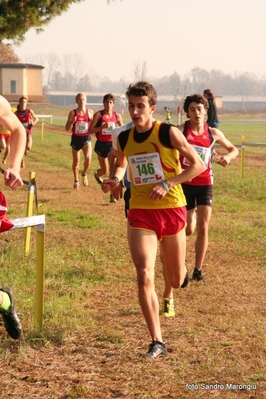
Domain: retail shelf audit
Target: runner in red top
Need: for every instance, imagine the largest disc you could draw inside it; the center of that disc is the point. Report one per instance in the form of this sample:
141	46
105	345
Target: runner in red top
28	119
103	123
199	190
203	144
79	122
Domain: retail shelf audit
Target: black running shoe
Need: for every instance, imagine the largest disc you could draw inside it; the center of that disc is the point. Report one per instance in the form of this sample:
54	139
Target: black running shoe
197	275
156	349
11	320
98	179
186	281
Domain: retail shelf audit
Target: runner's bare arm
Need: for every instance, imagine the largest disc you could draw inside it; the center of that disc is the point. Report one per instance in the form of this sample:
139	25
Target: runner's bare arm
70	121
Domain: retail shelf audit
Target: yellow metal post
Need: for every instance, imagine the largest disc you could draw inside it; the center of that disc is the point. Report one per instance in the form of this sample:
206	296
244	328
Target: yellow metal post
40	276
243	139
42	130
40	209
29	210
39	222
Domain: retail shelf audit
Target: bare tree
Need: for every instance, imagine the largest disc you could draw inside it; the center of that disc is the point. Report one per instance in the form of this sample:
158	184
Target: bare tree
200	78
69	82
53	62
79	67
84	83
140	71
144	70
57	81
66	65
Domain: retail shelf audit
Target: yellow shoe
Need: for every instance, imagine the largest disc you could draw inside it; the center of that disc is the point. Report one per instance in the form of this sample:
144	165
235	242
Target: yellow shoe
85	180
168	307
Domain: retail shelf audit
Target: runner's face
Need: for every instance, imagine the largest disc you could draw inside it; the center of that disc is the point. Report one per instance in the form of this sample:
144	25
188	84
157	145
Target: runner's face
196	112
23	104
140	110
81	101
108	105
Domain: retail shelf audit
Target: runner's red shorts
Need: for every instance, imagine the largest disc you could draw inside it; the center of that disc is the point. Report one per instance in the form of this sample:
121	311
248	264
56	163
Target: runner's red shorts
164	222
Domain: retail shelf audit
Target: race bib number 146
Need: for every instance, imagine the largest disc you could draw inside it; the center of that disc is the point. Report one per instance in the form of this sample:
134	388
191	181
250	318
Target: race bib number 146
146	168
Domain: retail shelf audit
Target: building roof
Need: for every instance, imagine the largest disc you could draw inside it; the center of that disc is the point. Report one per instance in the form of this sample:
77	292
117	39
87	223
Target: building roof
20	66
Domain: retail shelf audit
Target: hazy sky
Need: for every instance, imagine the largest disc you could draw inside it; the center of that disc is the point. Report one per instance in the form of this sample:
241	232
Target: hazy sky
169	35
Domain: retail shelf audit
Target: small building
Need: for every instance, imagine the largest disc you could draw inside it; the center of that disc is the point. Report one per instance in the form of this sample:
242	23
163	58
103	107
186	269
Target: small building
21	80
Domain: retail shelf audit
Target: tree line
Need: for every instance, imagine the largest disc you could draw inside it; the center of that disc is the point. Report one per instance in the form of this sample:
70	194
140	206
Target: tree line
70	72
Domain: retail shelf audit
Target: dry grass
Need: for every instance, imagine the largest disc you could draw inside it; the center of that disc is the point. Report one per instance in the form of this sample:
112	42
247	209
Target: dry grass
93	327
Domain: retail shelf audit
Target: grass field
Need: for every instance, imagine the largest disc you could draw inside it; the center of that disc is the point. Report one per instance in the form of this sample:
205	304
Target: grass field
94	330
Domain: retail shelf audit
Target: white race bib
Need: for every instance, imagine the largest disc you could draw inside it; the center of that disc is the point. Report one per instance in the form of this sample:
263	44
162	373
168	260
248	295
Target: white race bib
146	168
82	127
109	130
204	153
